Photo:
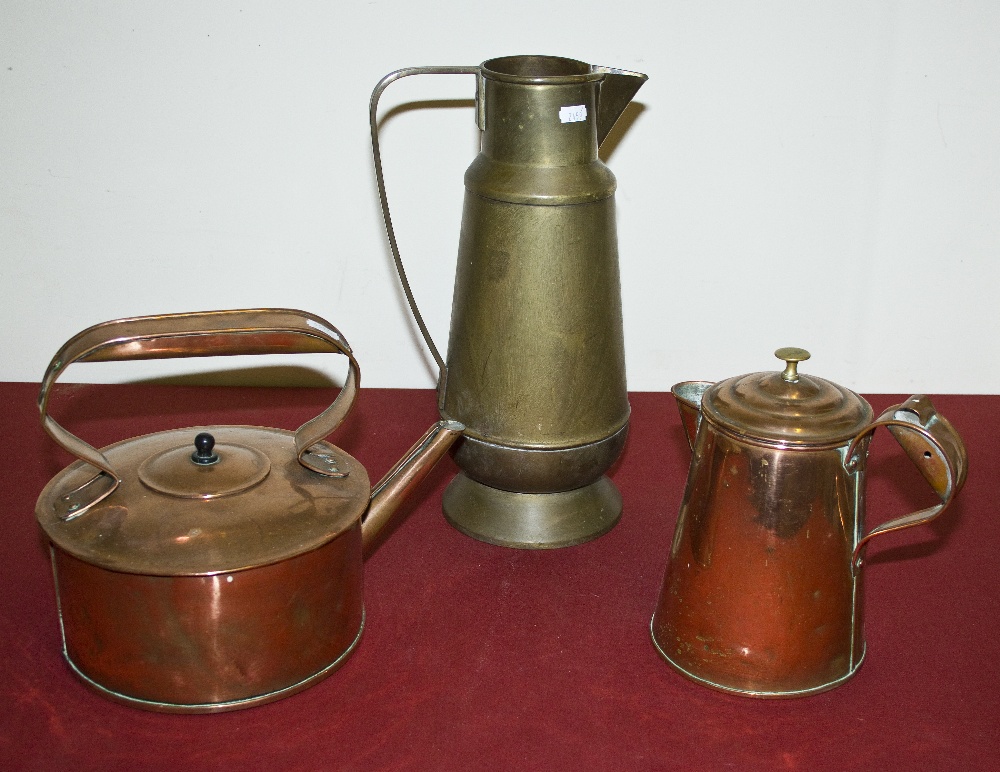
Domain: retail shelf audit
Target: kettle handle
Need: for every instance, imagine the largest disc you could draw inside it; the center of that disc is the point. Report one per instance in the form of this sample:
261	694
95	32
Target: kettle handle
380	180
932	444
199	334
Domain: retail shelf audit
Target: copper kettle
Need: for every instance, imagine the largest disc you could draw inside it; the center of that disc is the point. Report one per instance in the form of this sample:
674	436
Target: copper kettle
763	588
214	568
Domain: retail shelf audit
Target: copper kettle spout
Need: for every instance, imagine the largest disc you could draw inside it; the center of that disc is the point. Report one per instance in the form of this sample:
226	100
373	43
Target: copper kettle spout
616	93
688	395
400	481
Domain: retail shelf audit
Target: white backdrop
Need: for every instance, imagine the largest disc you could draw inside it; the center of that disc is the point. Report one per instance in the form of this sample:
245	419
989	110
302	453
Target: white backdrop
822	175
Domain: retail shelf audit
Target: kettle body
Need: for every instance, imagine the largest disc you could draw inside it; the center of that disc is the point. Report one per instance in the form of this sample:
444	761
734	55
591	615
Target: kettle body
763	590
535	364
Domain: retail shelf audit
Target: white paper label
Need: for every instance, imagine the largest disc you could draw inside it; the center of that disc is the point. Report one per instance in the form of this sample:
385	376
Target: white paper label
573	113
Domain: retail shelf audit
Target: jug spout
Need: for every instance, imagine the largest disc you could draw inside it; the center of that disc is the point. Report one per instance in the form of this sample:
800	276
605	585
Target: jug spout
688	395
393	489
616	92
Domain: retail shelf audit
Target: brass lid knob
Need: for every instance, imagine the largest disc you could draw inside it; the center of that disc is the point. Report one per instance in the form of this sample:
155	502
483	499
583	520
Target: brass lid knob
791	356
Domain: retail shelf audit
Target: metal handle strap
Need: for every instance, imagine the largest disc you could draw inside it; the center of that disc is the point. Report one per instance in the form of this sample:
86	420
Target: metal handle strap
201	334
932	444
380	180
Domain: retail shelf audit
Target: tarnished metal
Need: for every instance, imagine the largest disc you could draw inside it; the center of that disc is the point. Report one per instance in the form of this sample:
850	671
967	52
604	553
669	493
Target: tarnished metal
763	589
536	366
218	567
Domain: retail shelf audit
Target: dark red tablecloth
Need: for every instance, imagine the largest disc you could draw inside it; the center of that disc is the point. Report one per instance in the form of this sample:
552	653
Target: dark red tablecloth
480	657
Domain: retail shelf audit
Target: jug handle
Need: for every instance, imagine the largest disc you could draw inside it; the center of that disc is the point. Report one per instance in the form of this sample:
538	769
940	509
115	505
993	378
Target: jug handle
199	334
383	199
932	444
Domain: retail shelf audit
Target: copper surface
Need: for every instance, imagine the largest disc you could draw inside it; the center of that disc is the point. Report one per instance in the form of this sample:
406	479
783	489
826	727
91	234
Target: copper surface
759	594
197	334
217	567
788	407
216	642
291	511
763	590
406	475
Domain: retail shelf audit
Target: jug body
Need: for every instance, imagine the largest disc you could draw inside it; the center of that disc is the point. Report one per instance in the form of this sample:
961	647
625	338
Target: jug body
760	595
535	364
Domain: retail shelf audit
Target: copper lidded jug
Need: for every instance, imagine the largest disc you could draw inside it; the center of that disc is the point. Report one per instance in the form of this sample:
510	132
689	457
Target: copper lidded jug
218	567
763	589
536	356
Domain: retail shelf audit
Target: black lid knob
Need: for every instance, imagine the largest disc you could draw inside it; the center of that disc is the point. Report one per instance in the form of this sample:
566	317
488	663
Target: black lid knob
203	453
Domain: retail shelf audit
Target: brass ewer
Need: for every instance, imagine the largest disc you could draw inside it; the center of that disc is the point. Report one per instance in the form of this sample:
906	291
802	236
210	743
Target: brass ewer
536	363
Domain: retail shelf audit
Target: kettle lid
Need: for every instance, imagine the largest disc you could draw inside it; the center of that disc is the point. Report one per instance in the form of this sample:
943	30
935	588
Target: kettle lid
204	500
787	407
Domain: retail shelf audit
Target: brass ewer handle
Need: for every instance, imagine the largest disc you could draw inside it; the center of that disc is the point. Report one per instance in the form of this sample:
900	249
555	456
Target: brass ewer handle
932	444
200	334
380	180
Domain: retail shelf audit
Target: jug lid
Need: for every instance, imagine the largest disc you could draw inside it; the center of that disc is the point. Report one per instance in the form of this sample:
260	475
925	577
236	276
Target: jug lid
204	500
787	407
